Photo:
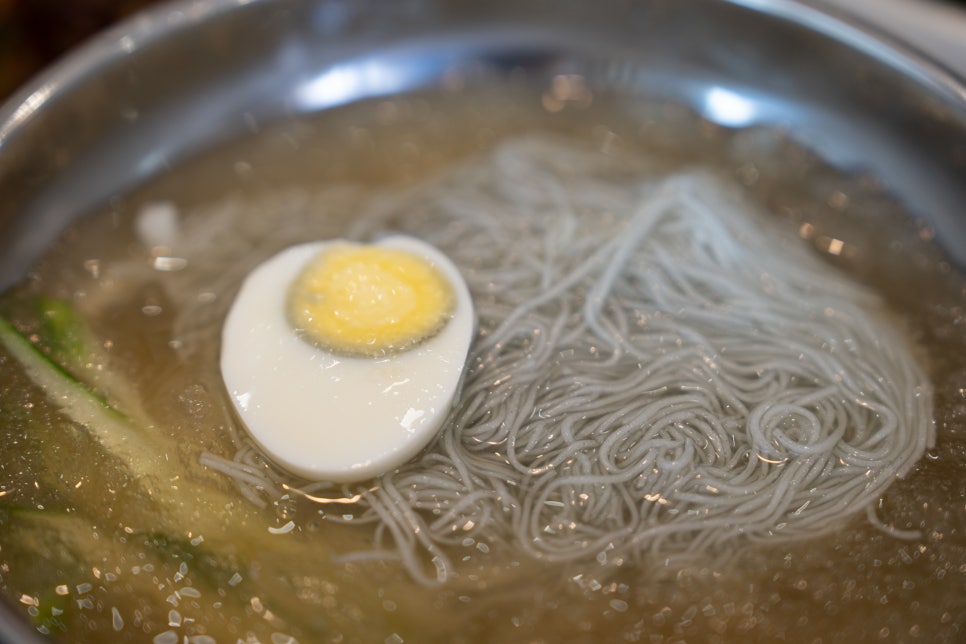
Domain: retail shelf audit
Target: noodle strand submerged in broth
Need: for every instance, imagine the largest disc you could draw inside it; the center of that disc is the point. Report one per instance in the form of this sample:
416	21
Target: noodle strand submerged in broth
660	373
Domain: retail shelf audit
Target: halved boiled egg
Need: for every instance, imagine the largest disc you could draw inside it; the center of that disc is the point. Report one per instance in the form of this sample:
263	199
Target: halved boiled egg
343	359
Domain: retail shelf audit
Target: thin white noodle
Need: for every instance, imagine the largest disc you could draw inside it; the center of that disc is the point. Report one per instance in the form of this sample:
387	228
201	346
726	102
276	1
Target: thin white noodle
660	372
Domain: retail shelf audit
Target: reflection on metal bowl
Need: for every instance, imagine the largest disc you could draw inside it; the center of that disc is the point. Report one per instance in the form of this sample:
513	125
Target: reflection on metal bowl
163	89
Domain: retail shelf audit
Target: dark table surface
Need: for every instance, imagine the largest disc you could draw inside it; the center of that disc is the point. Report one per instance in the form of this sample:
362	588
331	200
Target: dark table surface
35	32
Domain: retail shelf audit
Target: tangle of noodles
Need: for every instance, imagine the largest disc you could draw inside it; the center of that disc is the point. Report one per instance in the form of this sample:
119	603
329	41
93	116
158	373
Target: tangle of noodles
658	371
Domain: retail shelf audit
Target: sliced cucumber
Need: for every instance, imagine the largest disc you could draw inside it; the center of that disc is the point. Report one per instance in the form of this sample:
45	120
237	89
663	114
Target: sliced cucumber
63	331
83	405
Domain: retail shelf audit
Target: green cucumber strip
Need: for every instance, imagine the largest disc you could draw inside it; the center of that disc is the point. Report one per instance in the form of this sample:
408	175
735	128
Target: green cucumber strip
183	502
187	502
68	341
62	330
112	429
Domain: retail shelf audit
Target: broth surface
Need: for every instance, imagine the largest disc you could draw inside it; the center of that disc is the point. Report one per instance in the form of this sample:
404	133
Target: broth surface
91	551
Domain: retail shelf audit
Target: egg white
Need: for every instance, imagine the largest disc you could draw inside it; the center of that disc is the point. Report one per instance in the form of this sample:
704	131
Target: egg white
329	417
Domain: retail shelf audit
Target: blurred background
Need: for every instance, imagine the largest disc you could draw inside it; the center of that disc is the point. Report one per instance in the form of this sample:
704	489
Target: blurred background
35	32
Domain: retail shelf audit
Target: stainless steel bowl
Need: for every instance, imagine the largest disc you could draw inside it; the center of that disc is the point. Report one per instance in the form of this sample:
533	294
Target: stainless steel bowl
167	84
181	78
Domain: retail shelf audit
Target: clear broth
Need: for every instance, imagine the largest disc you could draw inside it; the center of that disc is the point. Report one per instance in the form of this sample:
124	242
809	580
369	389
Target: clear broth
101	570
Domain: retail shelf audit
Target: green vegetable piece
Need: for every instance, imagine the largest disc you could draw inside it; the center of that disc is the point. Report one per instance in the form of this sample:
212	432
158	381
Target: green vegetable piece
62	330
82	404
52	613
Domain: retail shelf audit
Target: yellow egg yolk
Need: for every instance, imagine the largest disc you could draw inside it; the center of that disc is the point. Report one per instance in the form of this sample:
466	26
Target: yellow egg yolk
359	300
